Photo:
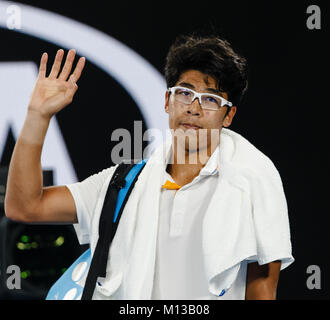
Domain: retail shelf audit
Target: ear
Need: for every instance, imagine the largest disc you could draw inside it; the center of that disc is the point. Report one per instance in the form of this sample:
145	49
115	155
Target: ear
229	117
166	101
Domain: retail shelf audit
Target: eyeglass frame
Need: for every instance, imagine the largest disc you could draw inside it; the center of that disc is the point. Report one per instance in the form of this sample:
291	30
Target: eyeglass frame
198	95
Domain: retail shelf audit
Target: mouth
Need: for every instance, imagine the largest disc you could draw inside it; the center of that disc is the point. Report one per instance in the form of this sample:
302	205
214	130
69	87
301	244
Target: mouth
190	126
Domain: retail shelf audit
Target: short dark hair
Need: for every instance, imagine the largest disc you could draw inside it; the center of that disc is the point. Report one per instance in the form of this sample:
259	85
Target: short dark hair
210	55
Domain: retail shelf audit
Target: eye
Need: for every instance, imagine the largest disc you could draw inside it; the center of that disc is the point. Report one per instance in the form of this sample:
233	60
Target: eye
211	99
183	92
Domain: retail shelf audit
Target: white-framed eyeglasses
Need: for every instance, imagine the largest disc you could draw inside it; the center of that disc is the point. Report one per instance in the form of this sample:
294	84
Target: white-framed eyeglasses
206	100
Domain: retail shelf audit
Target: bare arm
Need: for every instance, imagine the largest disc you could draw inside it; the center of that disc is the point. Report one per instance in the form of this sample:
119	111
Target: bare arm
261	282
26	199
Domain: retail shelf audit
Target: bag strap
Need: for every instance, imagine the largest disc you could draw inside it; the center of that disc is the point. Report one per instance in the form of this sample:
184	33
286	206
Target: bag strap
120	187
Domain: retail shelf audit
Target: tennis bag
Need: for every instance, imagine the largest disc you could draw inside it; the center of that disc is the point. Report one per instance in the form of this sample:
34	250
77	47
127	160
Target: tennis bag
74	284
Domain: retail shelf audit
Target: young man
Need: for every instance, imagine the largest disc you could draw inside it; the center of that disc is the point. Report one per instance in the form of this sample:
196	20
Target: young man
213	228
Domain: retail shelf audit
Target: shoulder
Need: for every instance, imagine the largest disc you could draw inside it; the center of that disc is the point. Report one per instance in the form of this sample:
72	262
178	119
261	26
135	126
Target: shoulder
247	158
93	183
101	176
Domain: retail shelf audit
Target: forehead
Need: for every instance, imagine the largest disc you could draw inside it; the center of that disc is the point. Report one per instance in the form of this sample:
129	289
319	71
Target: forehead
198	78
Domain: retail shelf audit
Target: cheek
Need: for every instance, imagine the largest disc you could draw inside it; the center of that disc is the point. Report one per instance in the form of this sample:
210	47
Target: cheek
173	116
170	112
175	111
213	119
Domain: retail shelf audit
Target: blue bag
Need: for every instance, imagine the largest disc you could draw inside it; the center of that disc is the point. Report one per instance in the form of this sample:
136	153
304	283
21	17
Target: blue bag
78	281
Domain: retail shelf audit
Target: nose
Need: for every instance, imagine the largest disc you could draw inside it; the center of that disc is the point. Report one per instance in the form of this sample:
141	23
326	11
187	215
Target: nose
194	108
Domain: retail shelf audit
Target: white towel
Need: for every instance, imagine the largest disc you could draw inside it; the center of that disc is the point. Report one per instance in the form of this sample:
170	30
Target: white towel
246	219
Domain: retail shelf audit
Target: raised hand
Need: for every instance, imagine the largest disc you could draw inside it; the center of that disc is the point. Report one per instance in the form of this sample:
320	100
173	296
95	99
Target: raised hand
53	93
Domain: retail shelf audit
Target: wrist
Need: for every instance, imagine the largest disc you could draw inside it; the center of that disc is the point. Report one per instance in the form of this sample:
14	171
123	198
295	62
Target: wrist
35	128
35	114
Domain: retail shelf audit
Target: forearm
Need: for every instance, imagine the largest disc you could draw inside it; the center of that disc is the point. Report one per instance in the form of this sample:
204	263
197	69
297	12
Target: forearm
24	185
261	290
262	280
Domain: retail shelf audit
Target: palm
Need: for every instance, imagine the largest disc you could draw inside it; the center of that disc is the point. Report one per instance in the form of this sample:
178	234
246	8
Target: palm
53	93
50	93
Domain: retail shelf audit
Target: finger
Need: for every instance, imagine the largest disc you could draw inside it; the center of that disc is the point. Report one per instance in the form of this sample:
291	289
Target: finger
57	64
79	68
68	64
72	89
43	65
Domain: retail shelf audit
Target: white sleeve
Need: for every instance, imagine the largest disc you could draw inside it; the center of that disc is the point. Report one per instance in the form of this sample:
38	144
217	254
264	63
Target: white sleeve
270	216
85	195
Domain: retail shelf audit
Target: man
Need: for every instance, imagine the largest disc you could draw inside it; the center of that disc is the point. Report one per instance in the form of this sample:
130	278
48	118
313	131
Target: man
213	228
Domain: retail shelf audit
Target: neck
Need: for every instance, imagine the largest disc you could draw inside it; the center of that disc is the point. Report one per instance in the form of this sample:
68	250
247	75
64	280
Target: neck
185	164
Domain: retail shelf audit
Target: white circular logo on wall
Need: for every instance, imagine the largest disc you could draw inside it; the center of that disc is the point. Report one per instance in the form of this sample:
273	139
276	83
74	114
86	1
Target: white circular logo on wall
110	55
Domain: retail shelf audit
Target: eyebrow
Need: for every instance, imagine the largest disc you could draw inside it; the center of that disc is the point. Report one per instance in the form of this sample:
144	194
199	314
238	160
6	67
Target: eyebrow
211	90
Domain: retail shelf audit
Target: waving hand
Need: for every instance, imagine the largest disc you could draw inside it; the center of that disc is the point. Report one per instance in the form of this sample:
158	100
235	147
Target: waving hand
51	94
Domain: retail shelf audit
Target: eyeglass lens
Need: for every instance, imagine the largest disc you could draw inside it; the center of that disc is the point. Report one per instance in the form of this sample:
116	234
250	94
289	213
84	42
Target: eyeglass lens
186	96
